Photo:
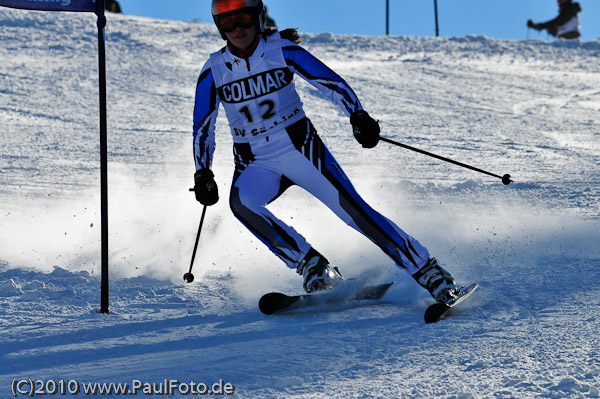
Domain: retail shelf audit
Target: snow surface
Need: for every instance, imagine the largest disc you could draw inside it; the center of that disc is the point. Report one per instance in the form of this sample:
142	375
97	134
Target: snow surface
528	108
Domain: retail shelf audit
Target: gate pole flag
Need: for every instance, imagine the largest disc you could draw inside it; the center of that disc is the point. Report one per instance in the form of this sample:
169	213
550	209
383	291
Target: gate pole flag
52	5
97	7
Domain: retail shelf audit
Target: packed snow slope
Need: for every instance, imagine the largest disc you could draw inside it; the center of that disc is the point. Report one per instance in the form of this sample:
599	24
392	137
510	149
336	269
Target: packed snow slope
527	108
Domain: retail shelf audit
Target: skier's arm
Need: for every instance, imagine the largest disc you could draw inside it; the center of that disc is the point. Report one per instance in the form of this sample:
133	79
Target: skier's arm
565	16
552	25
322	77
206	109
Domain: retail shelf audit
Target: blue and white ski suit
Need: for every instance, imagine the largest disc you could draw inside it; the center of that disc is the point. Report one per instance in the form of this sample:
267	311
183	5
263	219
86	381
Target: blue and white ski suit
276	146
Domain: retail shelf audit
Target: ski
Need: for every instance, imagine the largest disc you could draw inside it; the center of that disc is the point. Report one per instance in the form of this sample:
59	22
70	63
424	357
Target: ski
277	302
439	311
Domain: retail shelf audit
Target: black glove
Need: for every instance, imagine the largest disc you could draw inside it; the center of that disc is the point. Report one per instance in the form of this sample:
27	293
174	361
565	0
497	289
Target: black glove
366	129
531	24
205	188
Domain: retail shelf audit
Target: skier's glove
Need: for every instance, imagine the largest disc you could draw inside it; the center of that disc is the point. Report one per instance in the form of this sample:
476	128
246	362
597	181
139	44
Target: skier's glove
531	24
366	129
205	188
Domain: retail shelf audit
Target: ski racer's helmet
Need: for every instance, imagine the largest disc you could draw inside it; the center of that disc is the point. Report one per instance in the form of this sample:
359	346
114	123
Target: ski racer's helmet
221	9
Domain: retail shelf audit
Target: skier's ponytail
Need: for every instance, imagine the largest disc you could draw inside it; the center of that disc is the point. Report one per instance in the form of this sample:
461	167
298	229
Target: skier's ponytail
290	34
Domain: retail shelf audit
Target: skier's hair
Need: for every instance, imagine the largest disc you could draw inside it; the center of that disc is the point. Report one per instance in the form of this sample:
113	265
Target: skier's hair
290	34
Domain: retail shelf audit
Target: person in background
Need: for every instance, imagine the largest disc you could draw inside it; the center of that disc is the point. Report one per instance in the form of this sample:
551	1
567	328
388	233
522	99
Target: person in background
269	21
112	6
566	25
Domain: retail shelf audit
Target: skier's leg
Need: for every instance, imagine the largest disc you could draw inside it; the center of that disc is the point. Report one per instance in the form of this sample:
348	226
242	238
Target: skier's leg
253	187
326	180
257	183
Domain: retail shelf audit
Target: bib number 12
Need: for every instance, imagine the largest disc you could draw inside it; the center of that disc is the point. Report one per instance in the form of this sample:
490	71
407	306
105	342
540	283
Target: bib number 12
266	108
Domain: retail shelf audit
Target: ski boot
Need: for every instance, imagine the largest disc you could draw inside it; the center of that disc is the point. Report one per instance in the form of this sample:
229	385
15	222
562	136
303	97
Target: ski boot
438	282
318	273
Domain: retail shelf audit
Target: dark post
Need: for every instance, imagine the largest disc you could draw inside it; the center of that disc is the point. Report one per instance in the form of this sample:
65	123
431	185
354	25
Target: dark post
387	17
437	27
103	158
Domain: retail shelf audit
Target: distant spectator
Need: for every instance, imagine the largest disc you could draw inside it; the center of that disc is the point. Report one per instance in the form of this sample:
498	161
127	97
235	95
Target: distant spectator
566	25
269	22
112	6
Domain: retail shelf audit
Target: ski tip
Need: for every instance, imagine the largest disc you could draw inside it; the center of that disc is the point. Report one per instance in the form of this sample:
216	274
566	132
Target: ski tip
435	312
270	303
438	311
471	287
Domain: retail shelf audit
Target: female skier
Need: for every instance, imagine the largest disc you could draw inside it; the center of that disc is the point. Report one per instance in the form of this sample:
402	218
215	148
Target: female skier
276	146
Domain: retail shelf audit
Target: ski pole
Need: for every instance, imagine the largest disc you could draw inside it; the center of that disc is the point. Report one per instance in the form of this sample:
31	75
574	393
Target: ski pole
189	277
505	179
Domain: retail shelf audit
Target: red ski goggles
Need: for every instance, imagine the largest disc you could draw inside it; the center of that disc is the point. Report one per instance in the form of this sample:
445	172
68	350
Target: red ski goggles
229	22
